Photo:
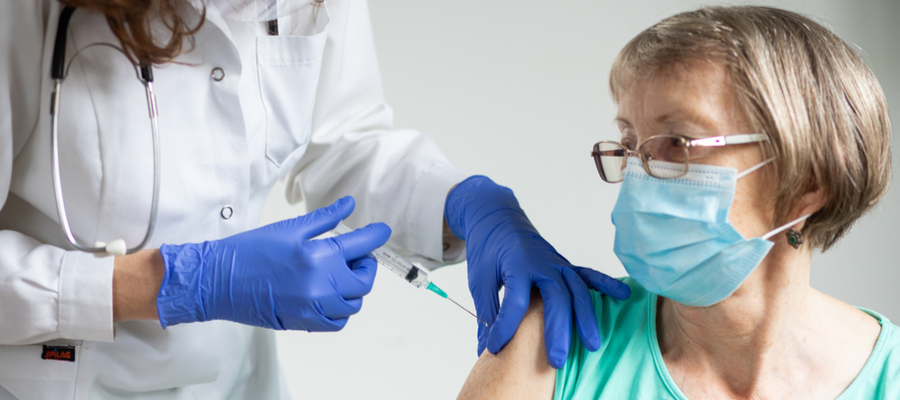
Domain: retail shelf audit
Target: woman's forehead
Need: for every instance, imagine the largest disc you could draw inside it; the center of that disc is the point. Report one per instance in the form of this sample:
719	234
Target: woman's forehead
697	94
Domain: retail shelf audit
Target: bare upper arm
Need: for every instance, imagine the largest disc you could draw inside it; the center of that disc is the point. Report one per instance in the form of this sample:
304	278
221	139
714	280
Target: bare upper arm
521	369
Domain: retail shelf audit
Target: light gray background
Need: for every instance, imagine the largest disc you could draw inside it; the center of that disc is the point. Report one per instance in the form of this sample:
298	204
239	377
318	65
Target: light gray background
517	90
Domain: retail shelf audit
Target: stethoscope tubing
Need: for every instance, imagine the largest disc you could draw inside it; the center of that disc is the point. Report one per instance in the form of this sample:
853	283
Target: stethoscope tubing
58	71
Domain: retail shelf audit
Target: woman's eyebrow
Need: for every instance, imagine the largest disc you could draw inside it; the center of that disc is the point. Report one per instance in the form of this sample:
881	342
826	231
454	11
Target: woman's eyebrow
621	120
676	117
683	117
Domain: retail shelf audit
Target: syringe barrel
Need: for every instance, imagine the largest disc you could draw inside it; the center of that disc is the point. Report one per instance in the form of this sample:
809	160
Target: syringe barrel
404	269
394	262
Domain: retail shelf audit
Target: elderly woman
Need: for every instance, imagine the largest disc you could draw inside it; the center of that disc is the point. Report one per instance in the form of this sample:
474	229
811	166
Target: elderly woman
750	136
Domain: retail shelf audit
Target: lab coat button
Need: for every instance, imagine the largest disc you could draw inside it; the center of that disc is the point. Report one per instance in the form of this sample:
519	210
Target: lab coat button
217	74
226	212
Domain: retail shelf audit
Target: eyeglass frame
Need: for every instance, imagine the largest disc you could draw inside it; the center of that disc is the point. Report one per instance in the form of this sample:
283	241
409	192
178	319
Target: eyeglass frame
714	141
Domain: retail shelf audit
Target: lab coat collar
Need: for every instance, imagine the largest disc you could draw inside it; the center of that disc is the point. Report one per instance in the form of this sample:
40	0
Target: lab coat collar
214	16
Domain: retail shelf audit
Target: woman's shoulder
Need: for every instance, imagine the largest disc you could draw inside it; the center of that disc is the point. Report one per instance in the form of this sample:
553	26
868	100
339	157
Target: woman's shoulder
622	322
628	357
626	328
891	337
880	377
626	365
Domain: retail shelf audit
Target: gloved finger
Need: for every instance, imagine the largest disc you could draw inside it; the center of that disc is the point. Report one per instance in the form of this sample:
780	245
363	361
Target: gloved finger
487	303
585	317
357	281
324	324
339	308
359	262
330	325
515	304
314	323
324	219
557	320
362	241
603	283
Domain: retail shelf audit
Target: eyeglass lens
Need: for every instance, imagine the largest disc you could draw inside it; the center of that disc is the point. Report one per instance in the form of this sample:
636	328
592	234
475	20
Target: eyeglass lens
610	158
663	157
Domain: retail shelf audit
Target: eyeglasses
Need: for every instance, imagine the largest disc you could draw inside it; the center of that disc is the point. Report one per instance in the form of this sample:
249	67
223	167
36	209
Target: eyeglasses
663	156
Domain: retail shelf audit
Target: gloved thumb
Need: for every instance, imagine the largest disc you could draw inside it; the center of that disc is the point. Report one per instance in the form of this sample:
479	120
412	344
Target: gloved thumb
323	219
358	243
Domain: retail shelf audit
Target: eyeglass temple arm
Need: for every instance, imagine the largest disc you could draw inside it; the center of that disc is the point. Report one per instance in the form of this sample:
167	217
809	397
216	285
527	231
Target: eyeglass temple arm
614	153
719	141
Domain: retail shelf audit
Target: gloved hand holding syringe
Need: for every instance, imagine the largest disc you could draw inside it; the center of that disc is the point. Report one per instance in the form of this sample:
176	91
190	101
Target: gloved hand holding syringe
405	269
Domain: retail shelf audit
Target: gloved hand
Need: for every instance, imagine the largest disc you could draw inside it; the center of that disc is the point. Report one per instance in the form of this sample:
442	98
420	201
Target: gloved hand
274	276
502	247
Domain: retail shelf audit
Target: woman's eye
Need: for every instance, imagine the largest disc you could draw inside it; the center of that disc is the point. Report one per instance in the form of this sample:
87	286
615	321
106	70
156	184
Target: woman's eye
629	143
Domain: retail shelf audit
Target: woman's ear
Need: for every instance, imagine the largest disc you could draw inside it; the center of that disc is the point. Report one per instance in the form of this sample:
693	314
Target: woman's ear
810	202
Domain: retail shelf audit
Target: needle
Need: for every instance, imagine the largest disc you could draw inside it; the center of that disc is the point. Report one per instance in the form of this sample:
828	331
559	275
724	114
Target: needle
470	313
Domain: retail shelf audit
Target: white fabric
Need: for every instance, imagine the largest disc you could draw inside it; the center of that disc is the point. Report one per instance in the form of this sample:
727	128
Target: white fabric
255	10
307	108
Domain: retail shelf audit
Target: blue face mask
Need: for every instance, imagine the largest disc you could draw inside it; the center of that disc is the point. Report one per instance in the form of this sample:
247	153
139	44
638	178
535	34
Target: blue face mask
674	238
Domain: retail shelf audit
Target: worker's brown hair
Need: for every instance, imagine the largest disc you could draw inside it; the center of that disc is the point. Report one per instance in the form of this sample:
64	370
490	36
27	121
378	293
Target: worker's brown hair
132	22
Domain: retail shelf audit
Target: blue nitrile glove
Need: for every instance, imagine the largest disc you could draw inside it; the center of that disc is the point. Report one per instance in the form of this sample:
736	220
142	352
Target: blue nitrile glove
503	248
274	276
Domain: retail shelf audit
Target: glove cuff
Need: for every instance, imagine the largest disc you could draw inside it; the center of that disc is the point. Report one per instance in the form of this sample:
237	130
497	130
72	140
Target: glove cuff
179	298
474	198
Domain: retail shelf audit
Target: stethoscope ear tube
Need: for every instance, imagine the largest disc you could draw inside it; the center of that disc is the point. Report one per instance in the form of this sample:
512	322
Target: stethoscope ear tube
57	67
146	72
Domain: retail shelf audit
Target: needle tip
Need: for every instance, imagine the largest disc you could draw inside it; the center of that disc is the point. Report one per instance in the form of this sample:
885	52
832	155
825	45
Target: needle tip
466	310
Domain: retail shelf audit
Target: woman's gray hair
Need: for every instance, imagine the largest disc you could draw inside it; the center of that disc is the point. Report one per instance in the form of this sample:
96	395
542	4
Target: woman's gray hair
822	107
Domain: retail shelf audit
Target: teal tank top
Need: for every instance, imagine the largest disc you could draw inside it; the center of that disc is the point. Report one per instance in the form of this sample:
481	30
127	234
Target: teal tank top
629	365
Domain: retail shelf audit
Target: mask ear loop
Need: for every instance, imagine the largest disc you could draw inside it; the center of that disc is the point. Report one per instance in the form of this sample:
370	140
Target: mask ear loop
753	168
780	228
785	226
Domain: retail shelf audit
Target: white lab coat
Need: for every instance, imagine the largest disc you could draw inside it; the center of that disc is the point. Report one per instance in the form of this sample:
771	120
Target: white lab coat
307	106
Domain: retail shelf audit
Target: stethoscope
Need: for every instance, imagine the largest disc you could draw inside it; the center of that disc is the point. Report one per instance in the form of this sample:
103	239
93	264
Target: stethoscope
59	69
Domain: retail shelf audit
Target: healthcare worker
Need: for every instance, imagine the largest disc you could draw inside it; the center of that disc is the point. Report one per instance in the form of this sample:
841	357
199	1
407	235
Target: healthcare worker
246	92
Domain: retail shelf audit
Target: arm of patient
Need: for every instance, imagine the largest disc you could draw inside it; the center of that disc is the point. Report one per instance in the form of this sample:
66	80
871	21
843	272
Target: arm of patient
521	369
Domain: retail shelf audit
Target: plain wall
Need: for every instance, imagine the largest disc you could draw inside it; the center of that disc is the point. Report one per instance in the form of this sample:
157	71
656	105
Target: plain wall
517	90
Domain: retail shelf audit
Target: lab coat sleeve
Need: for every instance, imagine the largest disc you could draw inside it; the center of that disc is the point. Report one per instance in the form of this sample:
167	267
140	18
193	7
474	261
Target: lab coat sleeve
397	176
46	292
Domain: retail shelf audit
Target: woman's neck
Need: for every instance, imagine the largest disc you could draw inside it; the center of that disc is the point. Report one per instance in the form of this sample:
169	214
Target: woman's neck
754	341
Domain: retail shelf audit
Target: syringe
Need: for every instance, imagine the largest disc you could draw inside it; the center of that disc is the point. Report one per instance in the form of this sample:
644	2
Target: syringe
406	270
